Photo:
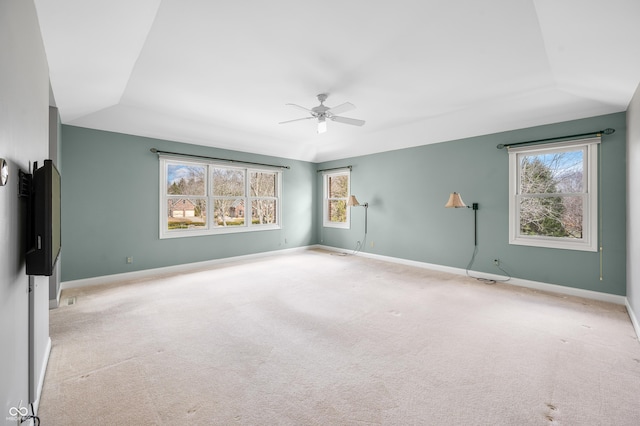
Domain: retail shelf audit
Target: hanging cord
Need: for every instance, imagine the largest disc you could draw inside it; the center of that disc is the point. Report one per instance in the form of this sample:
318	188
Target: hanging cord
360	245
36	419
356	250
485	280
475	252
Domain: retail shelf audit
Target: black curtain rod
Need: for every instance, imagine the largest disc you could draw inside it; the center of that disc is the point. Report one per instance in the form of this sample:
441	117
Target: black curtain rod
157	151
607	131
335	168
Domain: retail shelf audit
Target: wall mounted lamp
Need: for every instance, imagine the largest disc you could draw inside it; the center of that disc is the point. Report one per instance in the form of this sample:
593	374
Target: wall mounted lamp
455	201
352	201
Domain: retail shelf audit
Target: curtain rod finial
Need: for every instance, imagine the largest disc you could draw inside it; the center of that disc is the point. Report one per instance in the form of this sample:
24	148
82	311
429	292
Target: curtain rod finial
500	146
608	131
155	151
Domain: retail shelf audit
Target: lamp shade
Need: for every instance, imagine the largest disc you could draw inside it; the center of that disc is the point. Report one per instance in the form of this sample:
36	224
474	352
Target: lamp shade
352	201
455	201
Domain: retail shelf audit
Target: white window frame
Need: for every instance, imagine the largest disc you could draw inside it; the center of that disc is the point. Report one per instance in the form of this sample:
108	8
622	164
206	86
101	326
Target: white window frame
209	228
325	199
589	240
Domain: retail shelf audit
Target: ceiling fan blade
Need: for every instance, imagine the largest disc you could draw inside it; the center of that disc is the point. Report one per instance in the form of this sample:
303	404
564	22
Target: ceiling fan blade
300	107
297	119
345	120
347	106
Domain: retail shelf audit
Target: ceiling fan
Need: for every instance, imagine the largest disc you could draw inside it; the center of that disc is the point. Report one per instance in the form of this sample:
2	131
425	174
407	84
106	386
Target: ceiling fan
323	113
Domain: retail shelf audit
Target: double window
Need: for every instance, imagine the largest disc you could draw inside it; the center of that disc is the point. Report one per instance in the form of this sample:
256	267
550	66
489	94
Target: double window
202	198
336	193
553	195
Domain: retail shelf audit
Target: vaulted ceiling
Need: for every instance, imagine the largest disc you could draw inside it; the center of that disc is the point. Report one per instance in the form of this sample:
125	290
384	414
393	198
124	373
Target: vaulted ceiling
219	73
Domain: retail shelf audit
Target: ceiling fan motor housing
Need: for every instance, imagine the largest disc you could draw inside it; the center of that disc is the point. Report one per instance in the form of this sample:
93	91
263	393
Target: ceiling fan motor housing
320	110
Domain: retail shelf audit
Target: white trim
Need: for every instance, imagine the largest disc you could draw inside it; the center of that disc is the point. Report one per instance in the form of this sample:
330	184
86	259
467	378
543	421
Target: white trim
634	319
168	270
54	303
43	371
536	285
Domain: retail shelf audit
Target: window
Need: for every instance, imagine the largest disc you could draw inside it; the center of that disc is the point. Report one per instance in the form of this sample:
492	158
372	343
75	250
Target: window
553	195
336	192
203	198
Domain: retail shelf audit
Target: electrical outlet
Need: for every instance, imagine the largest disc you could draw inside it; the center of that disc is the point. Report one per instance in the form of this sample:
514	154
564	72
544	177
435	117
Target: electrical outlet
373	244
496	262
130	259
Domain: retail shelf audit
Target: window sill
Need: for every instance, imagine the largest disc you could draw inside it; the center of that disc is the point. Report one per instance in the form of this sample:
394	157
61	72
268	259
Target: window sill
555	243
216	231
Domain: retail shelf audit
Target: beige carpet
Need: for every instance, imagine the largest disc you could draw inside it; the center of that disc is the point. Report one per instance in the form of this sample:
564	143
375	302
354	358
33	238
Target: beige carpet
312	338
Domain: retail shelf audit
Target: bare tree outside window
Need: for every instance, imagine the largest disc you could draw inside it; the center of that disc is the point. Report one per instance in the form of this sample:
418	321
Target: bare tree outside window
228	192
262	187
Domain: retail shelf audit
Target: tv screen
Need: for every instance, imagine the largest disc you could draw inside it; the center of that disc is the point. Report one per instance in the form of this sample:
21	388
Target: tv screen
44	236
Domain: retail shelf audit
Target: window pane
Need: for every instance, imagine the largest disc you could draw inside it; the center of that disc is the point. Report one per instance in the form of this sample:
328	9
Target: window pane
228	182
552	173
229	212
185	179
551	216
263	184
338	186
337	211
186	213
263	212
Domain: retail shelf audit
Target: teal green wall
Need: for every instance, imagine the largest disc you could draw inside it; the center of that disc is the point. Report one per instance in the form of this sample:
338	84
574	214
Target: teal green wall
110	202
407	190
110	207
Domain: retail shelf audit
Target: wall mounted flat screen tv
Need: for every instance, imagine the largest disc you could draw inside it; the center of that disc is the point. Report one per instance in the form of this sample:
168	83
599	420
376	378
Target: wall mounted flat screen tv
43	227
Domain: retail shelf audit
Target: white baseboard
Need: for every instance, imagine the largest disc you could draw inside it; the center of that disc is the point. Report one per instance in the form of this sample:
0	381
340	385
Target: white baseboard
634	319
54	303
43	372
168	270
554	288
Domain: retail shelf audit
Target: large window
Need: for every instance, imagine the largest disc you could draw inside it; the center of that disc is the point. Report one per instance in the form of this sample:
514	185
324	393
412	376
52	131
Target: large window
553	195
336	192
200	198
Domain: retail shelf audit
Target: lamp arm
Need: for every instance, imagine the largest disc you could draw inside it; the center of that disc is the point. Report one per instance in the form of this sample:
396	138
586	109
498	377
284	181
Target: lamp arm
366	209
474	206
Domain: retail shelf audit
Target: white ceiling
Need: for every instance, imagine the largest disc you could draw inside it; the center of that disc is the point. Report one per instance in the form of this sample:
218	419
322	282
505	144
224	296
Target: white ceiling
219	73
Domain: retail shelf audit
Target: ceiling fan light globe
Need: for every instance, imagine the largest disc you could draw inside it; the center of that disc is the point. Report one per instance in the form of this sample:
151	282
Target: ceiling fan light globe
322	125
